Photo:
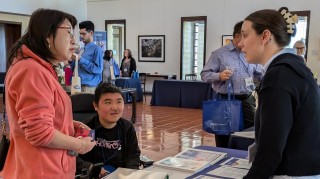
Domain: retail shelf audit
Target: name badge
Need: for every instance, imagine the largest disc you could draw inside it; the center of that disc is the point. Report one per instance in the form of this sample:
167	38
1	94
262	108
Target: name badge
125	70
249	81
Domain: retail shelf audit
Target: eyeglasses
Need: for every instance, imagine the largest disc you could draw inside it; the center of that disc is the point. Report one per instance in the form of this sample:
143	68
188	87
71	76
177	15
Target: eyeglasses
299	48
71	31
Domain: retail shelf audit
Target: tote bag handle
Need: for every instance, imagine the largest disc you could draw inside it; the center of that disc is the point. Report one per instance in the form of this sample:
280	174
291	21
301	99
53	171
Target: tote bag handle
76	67
229	88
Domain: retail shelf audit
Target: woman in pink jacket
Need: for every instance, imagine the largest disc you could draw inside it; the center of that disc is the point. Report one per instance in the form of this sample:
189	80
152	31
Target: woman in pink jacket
39	110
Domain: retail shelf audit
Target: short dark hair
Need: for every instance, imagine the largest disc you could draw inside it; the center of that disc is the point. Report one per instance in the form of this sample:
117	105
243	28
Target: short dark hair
88	25
43	23
104	88
237	28
273	21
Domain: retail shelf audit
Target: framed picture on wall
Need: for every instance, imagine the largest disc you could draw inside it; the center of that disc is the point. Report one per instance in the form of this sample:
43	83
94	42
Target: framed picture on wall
151	48
226	39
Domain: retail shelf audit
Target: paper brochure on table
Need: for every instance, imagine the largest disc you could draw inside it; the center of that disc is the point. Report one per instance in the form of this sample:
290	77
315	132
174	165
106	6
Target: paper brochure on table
229	172
202	155
191	160
125	173
237	163
124	78
172	173
246	134
182	164
205	177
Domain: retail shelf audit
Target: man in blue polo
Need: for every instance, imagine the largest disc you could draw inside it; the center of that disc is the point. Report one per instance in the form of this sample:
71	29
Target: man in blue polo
228	63
91	60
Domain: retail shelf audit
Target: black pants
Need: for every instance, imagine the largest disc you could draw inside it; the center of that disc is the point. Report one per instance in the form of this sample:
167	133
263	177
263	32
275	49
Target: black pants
248	107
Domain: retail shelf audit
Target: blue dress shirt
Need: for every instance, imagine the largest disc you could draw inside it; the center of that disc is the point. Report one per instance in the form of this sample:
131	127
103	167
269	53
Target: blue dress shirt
229	56
91	65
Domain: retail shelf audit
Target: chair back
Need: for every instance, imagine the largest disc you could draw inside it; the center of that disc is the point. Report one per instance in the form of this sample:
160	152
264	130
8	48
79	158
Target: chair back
2	78
82	106
143	79
191	76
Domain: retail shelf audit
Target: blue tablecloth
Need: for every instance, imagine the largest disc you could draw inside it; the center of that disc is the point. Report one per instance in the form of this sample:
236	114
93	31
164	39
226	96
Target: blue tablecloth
230	153
180	93
130	83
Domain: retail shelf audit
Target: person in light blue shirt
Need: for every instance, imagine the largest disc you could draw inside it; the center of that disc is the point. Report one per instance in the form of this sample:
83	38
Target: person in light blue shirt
91	60
107	63
228	64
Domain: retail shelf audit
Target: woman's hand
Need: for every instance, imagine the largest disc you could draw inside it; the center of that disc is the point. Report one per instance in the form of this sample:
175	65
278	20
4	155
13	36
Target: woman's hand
78	124
87	144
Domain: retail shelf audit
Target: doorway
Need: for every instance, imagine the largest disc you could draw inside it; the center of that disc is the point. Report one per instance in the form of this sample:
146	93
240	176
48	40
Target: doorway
193	46
10	33
116	37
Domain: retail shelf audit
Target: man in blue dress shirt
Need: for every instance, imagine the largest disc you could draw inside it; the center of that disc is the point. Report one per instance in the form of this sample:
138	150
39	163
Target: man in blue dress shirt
229	63
91	60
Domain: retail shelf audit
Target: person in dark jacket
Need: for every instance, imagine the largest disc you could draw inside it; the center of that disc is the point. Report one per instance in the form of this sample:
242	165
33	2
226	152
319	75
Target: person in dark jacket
117	144
287	123
128	64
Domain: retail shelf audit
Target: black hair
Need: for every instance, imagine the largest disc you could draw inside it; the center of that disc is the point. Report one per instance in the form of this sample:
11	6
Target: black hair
43	23
273	21
104	88
88	25
107	55
237	28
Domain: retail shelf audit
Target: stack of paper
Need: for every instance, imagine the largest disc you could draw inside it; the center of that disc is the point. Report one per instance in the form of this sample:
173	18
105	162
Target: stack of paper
246	134
125	173
191	160
232	168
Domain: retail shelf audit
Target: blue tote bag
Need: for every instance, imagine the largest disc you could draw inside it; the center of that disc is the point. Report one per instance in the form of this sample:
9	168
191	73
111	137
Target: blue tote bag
116	68
222	116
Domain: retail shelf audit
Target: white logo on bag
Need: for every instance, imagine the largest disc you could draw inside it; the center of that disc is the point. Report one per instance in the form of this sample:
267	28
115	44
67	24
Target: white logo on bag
76	87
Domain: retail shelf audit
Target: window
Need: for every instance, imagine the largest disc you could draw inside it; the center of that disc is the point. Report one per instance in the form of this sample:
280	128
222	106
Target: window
116	37
193	45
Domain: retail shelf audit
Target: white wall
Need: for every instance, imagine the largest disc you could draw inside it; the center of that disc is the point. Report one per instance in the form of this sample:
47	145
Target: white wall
78	8
162	17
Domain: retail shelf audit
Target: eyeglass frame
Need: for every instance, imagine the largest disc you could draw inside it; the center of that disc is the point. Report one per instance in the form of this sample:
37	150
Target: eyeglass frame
71	33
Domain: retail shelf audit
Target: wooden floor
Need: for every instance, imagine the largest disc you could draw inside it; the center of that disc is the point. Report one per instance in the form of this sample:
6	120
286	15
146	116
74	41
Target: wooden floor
165	131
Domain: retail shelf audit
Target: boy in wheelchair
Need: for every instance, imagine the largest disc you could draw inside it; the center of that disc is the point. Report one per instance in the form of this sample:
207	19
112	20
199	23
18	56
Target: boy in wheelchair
117	144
